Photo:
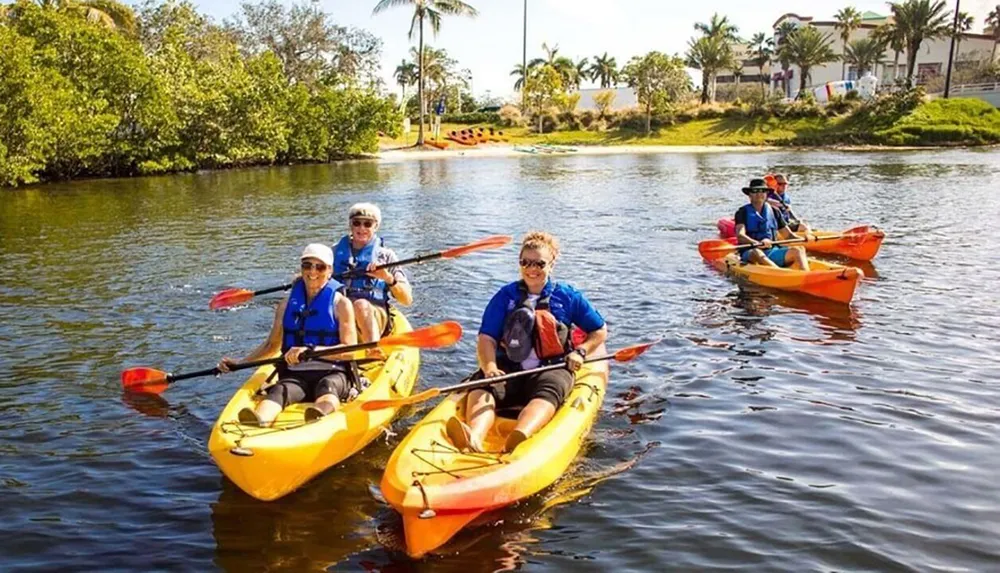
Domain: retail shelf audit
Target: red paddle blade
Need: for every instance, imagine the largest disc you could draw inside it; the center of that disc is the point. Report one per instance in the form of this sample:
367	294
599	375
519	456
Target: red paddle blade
230	297
631	352
433	336
143	379
494	242
715	249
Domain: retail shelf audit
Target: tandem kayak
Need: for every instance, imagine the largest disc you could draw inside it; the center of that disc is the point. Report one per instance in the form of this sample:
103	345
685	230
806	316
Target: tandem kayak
824	280
439	490
860	243
268	463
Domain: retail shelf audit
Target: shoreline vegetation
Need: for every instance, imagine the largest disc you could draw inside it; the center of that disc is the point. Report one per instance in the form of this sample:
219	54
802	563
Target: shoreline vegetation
100	89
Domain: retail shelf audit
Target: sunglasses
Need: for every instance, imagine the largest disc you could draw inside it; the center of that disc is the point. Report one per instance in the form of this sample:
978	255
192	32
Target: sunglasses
539	264
308	266
367	223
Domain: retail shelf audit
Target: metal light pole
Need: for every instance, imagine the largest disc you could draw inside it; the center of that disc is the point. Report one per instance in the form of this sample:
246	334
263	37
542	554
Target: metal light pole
951	52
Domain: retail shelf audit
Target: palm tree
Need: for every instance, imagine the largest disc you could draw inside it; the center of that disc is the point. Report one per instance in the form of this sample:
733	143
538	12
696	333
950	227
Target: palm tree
718	27
581	72
405	74
550	56
892	36
604	69
919	20
993	21
848	20
807	48
962	26
709	54
761	49
430	10
518	72
781	35
864	53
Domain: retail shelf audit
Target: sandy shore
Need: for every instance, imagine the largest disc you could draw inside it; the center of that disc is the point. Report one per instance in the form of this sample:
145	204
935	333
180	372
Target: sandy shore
405	154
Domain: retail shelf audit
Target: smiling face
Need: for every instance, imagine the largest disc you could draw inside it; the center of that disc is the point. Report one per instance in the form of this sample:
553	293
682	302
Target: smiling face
536	266
758	197
315	273
362	230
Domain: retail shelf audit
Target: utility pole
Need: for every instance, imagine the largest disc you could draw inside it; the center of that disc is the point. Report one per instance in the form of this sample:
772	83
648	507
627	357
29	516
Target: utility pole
524	54
951	52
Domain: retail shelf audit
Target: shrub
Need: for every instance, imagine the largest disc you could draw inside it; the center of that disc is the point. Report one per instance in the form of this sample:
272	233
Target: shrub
603	100
510	116
470	118
568	120
587	118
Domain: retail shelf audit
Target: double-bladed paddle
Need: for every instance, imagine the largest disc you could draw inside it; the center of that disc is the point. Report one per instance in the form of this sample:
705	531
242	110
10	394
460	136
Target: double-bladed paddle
237	296
712	249
150	380
624	355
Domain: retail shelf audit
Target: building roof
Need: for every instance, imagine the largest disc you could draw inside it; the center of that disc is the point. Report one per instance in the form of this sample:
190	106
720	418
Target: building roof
869	15
791	15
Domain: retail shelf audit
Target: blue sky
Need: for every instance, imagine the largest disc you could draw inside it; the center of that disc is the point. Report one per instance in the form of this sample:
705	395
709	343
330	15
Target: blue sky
490	45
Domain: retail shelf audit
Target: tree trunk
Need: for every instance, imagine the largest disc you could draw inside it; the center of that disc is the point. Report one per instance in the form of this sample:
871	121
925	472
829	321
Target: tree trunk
704	87
713	87
911	63
895	66
420	85
760	78
803	76
649	114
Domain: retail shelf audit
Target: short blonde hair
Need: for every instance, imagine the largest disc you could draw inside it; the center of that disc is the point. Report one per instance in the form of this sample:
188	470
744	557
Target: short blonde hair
537	240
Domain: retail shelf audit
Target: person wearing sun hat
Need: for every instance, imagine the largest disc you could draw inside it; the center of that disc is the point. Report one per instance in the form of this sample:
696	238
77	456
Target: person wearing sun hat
314	315
758	225
362	249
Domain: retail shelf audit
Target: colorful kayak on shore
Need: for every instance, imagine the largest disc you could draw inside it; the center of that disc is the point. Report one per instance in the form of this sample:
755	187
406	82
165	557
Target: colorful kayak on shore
268	463
858	243
824	280
439	490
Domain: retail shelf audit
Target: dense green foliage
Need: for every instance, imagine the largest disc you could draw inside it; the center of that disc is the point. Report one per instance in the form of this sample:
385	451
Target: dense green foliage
78	98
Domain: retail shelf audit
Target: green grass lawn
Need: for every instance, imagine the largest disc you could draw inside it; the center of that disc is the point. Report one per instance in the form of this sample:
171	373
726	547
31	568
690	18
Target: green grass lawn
959	121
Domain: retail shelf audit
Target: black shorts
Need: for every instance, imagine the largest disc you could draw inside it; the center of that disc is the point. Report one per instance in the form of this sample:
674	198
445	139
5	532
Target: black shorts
296	386
552	386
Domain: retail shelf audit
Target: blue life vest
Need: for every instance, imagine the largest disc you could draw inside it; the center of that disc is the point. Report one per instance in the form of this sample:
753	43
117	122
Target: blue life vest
760	226
786	202
310	324
346	260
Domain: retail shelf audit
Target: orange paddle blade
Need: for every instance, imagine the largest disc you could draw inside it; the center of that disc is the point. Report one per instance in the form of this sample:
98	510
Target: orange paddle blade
632	352
433	336
494	242
715	249
144	379
400	402
230	297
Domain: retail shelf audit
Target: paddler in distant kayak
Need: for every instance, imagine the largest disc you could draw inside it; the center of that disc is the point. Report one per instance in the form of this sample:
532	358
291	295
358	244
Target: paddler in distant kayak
778	198
370	293
758	225
525	325
314	315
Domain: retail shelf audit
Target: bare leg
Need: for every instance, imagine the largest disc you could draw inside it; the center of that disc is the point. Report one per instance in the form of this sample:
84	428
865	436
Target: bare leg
757	256
480	413
796	257
364	314
267	411
533	417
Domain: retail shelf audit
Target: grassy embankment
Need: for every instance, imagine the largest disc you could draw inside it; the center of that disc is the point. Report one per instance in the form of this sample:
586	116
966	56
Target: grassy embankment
960	121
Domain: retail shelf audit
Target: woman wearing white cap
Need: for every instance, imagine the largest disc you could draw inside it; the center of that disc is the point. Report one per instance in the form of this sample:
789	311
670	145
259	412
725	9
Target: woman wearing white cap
314	315
362	248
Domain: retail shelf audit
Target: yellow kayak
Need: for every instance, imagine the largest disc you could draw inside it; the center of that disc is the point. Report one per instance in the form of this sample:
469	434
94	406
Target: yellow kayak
439	490
268	463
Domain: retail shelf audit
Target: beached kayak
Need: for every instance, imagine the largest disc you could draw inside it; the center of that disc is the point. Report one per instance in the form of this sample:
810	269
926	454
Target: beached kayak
823	280
268	463
439	490
861	243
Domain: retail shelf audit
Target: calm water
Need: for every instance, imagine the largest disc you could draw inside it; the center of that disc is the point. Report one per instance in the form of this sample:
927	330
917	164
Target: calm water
767	432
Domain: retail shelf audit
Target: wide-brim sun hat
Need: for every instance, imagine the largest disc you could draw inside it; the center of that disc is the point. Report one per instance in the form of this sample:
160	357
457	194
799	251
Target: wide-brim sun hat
365	211
755	186
318	251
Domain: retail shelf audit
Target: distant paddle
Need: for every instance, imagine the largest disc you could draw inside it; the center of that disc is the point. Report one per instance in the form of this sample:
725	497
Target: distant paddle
151	380
237	296
713	249
624	355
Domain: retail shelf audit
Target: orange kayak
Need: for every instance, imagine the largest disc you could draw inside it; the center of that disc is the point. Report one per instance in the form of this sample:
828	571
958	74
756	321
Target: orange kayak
860	243
439	490
824	280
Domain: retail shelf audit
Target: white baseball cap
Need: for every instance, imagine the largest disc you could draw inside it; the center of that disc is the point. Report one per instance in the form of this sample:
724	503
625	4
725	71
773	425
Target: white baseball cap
365	211
318	251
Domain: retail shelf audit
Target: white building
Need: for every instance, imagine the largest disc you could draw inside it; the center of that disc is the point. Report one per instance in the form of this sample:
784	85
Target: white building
625	98
931	61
